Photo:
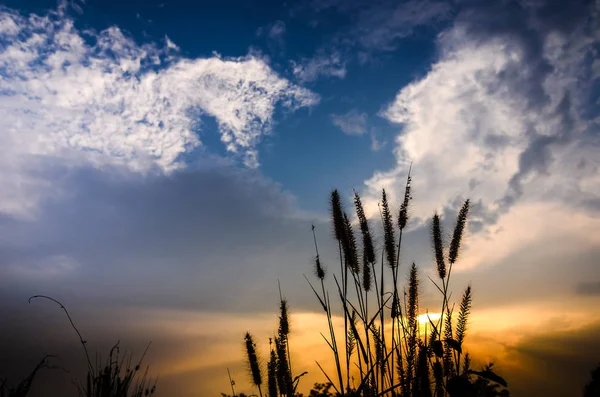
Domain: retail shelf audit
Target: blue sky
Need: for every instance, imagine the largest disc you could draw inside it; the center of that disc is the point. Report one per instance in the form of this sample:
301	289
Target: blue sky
155	154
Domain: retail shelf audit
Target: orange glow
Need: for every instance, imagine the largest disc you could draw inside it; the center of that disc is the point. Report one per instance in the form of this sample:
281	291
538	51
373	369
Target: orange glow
213	341
427	317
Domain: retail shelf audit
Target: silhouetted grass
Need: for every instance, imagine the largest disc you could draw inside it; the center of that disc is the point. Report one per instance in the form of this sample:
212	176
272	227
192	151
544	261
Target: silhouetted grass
23	388
116	377
592	389
393	354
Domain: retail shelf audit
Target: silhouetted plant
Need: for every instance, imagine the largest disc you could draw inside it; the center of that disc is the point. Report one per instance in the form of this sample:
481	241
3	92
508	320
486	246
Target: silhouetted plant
115	378
321	390
592	389
272	374
118	378
438	245
23	388
280	379
391	354
253	365
483	383
386	345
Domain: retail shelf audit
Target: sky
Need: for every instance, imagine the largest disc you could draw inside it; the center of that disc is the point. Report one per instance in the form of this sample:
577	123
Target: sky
162	162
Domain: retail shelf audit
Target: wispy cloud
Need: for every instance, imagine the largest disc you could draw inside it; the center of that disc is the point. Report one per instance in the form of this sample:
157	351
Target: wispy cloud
376	144
49	266
274	32
351	123
373	27
277	30
100	98
379	25
322	64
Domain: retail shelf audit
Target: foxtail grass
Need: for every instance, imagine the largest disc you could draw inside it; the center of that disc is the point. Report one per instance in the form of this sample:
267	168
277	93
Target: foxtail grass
384	348
253	365
386	344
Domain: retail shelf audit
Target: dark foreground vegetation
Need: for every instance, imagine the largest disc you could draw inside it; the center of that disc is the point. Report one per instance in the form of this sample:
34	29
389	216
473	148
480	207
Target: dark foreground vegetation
117	376
383	349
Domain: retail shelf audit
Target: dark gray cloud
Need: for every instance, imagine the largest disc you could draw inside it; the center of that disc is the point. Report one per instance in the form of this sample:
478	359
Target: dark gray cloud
588	288
554	364
511	20
179	240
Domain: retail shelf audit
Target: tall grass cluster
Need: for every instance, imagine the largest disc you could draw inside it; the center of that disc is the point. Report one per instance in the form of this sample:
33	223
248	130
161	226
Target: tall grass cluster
383	342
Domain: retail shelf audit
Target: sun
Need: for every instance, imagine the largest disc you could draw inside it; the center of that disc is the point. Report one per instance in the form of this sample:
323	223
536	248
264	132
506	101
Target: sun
424	318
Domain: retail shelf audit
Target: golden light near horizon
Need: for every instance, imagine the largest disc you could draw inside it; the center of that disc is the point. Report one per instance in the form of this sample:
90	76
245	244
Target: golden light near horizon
426	318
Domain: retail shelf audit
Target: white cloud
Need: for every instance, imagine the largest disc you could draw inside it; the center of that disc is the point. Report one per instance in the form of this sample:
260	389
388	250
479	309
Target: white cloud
351	123
496	121
376	144
170	44
448	116
99	98
322	64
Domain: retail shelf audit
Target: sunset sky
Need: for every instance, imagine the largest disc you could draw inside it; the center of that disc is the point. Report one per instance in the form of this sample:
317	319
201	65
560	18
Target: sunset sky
162	161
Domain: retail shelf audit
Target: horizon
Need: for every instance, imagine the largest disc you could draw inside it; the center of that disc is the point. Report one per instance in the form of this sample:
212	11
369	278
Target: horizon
163	164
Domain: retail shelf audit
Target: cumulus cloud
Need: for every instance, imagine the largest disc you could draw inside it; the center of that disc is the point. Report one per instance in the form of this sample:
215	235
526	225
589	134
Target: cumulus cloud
322	64
351	123
86	97
504	114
